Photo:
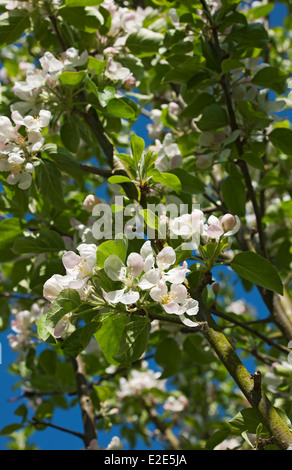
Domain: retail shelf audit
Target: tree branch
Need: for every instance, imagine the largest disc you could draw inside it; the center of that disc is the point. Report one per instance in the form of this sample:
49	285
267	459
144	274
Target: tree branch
36	422
87	411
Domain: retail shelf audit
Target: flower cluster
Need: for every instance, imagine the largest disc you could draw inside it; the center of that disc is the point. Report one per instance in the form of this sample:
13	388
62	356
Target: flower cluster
79	269
18	149
21	324
143	271
194	226
139	381
39	81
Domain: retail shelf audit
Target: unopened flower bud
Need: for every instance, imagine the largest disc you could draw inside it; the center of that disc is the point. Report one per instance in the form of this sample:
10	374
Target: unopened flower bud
228	222
130	82
89	202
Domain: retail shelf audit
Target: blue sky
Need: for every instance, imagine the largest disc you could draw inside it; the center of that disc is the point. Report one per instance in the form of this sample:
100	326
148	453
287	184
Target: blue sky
55	440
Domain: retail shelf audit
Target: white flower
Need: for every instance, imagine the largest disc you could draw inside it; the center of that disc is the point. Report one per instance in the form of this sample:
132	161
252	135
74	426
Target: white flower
176	300
79	269
189	226
128	275
164	260
176	405
169	155
115	444
138	382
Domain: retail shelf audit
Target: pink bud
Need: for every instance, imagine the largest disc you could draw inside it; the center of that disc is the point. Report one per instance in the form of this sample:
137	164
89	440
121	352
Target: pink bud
130	82
228	222
90	201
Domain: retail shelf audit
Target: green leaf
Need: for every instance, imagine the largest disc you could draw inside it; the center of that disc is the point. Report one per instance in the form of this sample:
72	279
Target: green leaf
144	42
97	65
168	356
234	194
66	302
217	438
10	229
281	138
72	78
122	108
150	218
70	135
87	19
261	11
271	77
12	25
109	335
134	340
45	241
246	420
190	184
10	429
51	184
109	248
137	147
118	179
79	339
169	180
64	161
213	117
106	95
258	270
197	105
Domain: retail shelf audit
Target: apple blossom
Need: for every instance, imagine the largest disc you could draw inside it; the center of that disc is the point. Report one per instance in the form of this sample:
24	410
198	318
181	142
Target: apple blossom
175	301
226	225
128	275
79	269
140	381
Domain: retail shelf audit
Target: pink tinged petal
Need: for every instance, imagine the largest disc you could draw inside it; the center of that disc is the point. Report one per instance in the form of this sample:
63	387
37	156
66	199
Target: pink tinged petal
17	118
173	308
146	250
130	297
214	231
44	118
54	286
213	220
180	293
158	292
88	251
148	263
70	260
166	257
78	283
186	321
177	275
114	296
135	264
192	307
150	279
